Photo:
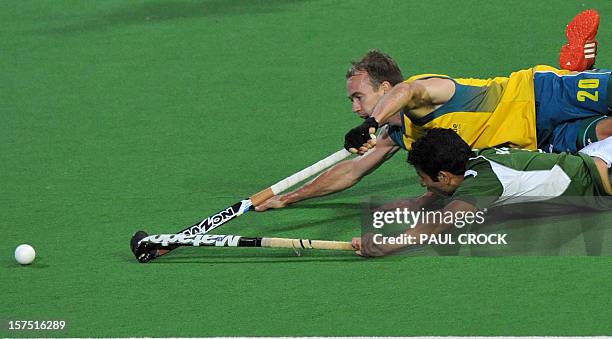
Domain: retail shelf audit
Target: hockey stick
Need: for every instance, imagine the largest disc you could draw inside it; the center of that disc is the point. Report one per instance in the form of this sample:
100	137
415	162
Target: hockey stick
177	240
237	209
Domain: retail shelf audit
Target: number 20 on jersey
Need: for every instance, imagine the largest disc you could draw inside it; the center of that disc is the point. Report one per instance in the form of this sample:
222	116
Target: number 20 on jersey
586	84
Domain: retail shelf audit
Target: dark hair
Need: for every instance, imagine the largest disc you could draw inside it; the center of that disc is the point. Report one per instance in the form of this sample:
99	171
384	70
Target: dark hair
440	149
379	66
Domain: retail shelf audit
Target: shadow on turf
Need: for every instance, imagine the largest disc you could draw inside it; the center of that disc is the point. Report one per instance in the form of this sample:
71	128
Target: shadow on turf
33	266
255	256
36	265
379	189
260	259
326	205
309	224
247	260
158	11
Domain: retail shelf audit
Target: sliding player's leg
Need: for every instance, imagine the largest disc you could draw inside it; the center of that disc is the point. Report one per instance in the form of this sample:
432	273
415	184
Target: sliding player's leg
568	104
602	150
575	135
593	129
580	51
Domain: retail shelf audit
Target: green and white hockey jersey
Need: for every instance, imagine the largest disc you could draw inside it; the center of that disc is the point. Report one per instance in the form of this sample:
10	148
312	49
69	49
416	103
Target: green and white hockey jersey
503	176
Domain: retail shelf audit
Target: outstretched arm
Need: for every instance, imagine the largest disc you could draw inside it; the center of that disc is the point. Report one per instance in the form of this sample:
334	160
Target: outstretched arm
339	177
366	247
427	93
421	202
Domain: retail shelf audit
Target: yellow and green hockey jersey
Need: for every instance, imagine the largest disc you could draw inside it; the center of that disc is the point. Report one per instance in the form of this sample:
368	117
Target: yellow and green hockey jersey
484	112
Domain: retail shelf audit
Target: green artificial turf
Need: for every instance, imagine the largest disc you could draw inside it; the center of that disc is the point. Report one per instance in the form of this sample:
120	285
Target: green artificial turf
120	115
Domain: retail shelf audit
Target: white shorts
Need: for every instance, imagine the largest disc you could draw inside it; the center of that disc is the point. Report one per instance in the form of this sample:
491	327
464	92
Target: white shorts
601	149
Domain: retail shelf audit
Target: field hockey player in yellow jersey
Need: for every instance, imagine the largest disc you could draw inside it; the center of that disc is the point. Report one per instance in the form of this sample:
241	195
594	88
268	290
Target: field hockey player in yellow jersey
486	113
541	107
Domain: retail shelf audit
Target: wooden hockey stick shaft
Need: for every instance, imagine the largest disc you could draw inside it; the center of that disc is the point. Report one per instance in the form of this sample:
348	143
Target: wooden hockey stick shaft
307	244
178	240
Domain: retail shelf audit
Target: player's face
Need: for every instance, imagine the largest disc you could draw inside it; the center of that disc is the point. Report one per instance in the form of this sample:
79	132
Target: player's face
362	95
441	187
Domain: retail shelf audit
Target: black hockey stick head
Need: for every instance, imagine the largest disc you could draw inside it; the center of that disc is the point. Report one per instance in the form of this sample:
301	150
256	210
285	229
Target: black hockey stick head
143	252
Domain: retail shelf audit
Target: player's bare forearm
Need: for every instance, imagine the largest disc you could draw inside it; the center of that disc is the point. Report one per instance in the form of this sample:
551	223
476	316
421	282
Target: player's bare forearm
455	208
413	233
413	204
392	103
347	173
403	95
427	199
337	178
367	247
426	93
